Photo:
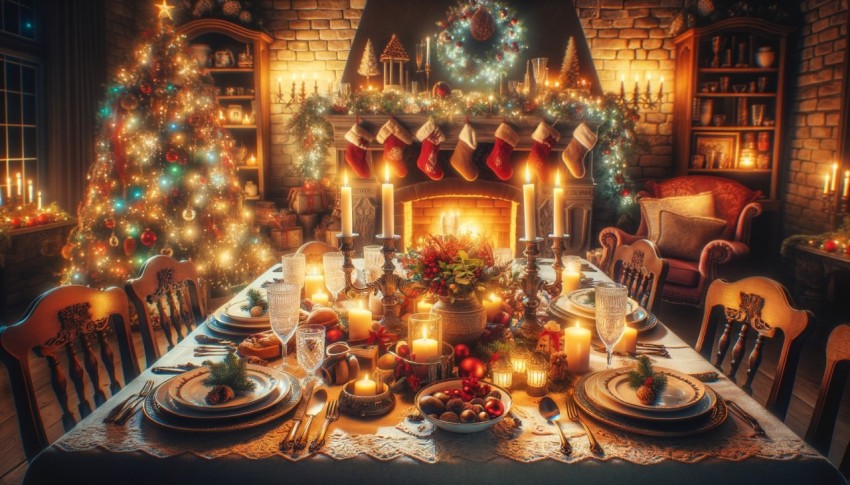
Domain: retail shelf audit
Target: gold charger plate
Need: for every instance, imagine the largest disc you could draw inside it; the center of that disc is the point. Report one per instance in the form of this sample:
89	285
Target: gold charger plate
559	311
658	429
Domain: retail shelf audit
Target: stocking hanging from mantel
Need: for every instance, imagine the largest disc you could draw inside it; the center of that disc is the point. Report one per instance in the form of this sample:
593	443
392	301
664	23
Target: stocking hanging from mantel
431	137
395	139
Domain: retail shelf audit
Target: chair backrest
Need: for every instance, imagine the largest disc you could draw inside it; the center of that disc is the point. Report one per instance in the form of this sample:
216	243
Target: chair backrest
822	424
758	305
641	269
166	295
314	250
69	320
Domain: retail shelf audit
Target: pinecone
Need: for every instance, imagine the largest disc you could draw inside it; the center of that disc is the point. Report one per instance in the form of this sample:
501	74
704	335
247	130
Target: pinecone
481	25
202	7
646	392
705	7
231	8
219	394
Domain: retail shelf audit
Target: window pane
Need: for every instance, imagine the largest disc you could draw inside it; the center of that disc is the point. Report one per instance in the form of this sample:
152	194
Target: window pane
30	143
13	76
15	149
10	18
27	23
28	79
13	111
29	110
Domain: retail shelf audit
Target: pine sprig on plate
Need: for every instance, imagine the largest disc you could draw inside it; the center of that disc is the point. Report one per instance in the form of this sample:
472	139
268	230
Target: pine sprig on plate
231	372
647	383
254	298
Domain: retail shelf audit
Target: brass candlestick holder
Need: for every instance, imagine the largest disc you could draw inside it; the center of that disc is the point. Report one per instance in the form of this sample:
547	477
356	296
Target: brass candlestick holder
531	282
389	283
834	206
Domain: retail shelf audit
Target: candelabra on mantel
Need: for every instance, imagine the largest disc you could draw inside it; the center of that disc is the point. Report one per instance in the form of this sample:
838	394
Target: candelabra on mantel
831	203
646	99
531	283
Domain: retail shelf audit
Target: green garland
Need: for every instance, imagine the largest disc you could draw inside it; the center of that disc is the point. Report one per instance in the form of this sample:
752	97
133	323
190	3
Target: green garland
837	241
616	143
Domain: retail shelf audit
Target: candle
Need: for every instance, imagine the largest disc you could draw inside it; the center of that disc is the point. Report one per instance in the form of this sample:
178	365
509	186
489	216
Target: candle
519	360
359	322
536	374
493	306
825	183
425	349
627	342
577	348
319	298
346	207
558	207
648	81
314	281
18	183
571	276
832	182
846	193
388	216
30	192
528	205
279	86
428	50
252	160
39	200
365	387
503	374
423	306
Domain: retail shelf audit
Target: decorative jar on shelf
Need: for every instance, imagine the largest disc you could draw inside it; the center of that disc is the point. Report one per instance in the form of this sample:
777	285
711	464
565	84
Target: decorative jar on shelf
765	56
224	58
251	189
706	112
464	319
201	53
234	114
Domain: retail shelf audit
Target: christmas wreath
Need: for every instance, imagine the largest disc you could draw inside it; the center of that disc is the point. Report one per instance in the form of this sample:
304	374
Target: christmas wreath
479	40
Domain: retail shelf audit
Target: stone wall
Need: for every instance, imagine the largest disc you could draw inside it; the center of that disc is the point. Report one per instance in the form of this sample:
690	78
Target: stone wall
814	128
125	19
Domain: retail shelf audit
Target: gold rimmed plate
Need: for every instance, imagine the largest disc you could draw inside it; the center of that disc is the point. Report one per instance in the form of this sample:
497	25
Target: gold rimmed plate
562	310
235	311
189	391
681	392
224	321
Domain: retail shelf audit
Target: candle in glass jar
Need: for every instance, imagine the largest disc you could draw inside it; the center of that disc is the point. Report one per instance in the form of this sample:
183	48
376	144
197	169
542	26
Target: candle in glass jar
571	276
365	387
846	193
359	322
529	206
314	281
492	305
388	216
577	348
558	207
627	342
536	374
424	306
319	298
346	207
519	360
503	374
425	349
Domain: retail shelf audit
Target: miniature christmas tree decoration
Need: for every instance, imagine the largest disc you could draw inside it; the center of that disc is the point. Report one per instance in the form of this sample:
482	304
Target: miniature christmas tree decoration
368	63
570	68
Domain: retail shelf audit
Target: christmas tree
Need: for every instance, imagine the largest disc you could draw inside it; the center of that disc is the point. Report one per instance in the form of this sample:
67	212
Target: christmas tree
369	63
570	71
163	180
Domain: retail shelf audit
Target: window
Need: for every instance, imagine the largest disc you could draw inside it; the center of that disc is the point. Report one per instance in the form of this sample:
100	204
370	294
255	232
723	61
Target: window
17	18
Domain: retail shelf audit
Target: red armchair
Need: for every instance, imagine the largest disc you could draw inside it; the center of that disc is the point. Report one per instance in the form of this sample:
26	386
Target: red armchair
688	278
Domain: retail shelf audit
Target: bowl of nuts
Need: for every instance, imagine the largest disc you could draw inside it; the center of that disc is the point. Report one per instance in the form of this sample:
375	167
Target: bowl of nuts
464	405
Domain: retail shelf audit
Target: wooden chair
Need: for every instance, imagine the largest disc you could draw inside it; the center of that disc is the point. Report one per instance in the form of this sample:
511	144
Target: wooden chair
822	425
641	269
167	295
761	305
314	250
69	319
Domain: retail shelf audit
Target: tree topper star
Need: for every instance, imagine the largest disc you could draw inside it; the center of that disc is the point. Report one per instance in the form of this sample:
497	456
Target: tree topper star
165	10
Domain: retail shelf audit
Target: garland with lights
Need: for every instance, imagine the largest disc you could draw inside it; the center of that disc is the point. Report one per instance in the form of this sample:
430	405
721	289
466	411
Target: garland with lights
837	242
616	123
479	41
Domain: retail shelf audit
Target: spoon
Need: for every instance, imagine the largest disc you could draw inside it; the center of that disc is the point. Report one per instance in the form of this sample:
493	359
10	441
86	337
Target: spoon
549	410
316	406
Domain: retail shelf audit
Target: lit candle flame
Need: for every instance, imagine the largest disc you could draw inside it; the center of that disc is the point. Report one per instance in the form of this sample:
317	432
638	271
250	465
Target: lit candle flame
527	173
558	178
345	177
387	172
424	332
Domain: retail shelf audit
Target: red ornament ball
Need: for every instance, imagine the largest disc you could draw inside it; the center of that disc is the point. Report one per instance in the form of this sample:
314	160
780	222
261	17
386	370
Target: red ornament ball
43	218
129	102
129	246
847	249
830	246
145	88
472	367
109	223
441	90
172	155
461	351
148	237
333	335
403	350
16	222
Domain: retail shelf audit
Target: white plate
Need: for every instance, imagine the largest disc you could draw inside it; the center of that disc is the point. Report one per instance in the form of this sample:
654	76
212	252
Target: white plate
225	321
581	299
168	405
594	389
632	318
189	390
235	311
216	327
681	392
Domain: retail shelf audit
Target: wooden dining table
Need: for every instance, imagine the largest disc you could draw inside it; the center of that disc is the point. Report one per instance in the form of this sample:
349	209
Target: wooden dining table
395	447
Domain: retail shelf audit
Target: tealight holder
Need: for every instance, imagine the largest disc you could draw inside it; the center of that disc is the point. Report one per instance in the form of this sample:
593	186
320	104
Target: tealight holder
379	404
503	372
536	372
435	369
519	360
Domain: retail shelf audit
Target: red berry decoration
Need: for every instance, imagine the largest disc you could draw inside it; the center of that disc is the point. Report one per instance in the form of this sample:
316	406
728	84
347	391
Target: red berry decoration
172	156
830	245
148	237
461	351
472	367
16	222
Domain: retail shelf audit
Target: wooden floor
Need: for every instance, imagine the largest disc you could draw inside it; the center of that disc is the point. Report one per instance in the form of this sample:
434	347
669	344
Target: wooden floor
683	320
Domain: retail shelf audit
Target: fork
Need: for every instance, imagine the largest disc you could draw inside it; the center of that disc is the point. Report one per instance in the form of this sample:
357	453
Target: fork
331	415
131	409
117	410
572	414
745	417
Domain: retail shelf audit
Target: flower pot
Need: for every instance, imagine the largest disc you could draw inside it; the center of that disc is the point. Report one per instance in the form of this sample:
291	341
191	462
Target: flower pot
463	320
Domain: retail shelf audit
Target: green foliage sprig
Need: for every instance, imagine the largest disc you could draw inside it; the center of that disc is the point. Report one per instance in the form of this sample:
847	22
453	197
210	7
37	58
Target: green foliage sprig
643	371
231	372
254	298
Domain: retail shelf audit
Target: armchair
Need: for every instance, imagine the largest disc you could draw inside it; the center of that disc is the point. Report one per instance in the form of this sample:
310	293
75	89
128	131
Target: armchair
689	276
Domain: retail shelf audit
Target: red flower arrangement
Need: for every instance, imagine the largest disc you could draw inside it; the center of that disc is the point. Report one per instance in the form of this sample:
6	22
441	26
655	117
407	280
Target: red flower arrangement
451	266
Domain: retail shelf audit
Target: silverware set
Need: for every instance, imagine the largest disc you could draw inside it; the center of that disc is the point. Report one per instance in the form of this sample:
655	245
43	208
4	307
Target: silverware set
211	350
572	414
642	349
331	415
208	340
128	407
745	417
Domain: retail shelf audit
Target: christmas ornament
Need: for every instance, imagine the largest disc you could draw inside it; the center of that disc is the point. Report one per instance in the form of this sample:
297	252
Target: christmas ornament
188	214
166	251
462	156
472	367
368	63
573	156
202	7
67	250
231	8
16	222
482	26
543	139
441	90
129	246
113	240
42	218
109	223
148	237
172	155
829	245
129	102
395	138
431	137
462	351
499	159
145	88
245	17
847	250
647	383
705	7
355	152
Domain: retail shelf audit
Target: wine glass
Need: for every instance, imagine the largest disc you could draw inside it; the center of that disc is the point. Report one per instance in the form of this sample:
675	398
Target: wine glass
373	261
294	269
284	303
334	274
611	304
310	348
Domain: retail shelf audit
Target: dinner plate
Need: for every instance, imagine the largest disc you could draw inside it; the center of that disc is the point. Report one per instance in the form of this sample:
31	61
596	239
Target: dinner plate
235	311
602	400
188	389
216	327
560	310
681	392
661	428
154	413
224	321
167	405
583	299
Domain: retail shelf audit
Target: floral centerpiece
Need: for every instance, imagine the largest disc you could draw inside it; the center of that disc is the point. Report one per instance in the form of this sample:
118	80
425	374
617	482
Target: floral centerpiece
452	267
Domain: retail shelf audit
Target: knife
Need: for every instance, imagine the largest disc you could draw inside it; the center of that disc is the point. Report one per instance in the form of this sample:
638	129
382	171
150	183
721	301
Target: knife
173	369
289	441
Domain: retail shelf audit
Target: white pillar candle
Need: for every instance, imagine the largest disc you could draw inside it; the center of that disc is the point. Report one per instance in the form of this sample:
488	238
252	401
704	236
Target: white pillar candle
425	349
314	281
492	305
529	206
346	207
359	323
825	183
832	182
571	276
558	207
319	298
627	342
846	193
577	347
424	306
388	216
428	50
30	192
39	200
365	387
19	185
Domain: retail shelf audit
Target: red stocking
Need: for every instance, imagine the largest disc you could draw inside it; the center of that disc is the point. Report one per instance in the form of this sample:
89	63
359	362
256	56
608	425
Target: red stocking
395	139
544	137
355	153
499	160
431	136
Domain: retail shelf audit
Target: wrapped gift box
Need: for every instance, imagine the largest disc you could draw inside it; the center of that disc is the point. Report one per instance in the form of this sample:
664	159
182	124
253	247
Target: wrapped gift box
290	238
